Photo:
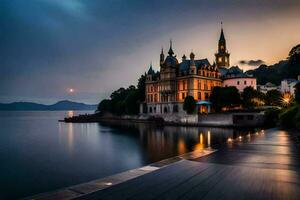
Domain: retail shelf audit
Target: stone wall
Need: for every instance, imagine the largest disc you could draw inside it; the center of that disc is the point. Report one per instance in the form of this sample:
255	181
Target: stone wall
231	119
181	119
214	119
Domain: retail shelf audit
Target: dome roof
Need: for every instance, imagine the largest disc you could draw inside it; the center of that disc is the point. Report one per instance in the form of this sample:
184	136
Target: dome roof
171	61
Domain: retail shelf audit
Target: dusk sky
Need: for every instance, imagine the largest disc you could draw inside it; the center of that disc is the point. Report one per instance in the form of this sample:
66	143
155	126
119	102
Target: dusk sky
97	46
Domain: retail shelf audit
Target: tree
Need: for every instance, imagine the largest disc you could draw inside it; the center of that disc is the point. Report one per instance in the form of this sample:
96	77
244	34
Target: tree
125	100
131	102
283	69
297	93
216	98
251	98
231	97
273	98
104	106
141	86
189	104
225	97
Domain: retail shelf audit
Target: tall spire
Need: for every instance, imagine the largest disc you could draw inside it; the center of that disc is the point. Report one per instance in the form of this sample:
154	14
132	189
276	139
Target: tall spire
171	52
222	37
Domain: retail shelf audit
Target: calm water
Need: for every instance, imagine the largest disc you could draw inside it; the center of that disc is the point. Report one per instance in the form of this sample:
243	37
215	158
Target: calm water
39	154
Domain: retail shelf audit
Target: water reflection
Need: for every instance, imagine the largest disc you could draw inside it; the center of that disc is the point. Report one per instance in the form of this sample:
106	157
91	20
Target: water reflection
163	142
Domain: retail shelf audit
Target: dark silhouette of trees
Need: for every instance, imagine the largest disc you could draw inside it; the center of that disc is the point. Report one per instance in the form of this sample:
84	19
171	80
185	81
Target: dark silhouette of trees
273	98
297	93
289	68
189	104
252	98
125	100
225	97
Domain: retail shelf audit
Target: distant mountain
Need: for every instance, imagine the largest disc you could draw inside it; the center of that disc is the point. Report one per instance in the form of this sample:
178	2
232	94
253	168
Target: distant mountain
61	105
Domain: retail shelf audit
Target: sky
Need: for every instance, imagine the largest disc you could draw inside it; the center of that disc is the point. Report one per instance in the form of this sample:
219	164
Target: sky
48	47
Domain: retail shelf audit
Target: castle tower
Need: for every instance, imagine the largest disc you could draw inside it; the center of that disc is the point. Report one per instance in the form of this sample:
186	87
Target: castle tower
193	69
222	56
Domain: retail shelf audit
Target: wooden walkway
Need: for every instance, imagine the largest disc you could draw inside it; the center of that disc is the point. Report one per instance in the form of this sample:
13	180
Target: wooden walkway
264	166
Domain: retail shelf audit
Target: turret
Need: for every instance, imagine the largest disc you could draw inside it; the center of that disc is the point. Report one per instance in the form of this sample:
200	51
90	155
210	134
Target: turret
193	69
170	52
162	56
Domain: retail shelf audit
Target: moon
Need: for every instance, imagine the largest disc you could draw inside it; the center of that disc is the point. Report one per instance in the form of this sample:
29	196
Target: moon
71	90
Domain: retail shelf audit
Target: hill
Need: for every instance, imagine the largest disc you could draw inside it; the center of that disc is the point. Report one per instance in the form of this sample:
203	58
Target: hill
61	105
289	68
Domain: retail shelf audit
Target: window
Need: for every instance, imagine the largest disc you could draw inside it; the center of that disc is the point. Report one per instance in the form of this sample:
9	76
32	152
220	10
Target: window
199	95
220	59
206	96
183	95
238	82
205	85
245	82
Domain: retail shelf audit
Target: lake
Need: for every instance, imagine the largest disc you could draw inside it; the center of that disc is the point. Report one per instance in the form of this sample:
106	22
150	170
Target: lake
39	154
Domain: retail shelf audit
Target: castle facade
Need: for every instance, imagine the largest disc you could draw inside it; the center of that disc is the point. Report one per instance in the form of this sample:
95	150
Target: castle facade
167	88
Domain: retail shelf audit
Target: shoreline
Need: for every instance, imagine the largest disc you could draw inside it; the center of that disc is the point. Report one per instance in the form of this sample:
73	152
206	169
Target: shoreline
222	120
79	190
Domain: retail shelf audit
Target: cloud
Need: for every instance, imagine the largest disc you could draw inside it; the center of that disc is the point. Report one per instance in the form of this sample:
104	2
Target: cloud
252	62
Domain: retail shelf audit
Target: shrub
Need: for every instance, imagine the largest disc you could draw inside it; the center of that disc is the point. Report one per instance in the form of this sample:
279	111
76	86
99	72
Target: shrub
271	117
288	117
189	104
297	93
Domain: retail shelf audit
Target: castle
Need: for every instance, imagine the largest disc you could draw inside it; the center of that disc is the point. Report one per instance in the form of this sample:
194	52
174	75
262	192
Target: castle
167	88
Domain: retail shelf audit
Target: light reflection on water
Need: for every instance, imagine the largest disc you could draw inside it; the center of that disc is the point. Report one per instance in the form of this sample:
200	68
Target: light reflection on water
40	154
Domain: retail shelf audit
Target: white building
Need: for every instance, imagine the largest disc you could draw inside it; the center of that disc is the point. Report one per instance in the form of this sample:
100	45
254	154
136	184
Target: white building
267	87
288	85
234	76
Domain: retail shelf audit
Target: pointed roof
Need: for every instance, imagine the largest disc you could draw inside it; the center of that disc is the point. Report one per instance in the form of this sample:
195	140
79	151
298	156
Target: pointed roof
171	52
162	51
222	37
151	71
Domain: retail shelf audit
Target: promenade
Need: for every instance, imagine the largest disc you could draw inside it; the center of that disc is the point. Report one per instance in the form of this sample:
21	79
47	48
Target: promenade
261	166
